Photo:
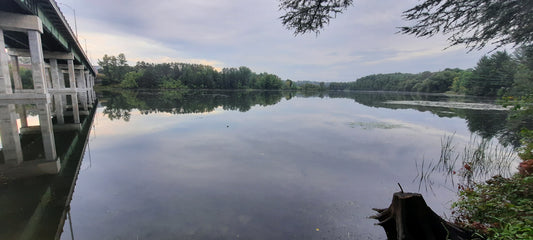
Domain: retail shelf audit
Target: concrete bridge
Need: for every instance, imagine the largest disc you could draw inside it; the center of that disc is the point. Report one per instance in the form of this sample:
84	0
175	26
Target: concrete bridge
62	82
37	29
44	128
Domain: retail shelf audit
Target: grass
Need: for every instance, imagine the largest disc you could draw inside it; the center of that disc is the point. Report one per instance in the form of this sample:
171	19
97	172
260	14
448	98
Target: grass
478	160
499	208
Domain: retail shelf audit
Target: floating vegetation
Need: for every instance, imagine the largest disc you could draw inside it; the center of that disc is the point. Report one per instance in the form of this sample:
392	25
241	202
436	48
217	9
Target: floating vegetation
459	105
374	125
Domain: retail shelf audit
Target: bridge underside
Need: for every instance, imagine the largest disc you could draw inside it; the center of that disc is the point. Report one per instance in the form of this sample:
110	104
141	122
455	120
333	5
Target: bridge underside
57	36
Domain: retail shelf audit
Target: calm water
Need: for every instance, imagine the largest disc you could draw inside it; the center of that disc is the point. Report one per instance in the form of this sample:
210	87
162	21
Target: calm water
262	165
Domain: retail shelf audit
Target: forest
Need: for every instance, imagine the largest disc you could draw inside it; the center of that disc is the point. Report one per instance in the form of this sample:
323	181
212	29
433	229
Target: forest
497	74
494	75
116	72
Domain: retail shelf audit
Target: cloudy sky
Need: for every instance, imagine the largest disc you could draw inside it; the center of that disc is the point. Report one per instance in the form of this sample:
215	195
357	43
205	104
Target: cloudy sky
233	33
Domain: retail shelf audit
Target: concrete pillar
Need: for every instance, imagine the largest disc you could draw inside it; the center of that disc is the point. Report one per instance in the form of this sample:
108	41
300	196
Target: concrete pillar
5	79
37	62
80	78
10	136
61	78
45	122
93	79
23	117
59	108
54	71
15	70
90	95
47	77
86	79
71	74
84	99
75	107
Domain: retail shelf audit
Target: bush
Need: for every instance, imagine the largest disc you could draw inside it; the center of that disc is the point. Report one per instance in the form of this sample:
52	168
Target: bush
501	208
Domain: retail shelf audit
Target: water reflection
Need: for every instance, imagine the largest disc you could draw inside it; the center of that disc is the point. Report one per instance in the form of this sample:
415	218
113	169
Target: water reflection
479	160
484	122
227	164
257	165
42	142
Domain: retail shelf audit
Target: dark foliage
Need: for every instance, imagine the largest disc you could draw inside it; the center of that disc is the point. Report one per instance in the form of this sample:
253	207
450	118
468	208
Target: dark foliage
474	23
310	15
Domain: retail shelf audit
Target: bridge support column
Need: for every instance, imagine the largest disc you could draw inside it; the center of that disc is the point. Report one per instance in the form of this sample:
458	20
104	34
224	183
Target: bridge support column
37	62
61	78
75	107
54	71
80	81
48	77
5	79
23	117
45	121
93	79
31	25
90	95
71	74
86	74
62	86
17	80
10	136
59	108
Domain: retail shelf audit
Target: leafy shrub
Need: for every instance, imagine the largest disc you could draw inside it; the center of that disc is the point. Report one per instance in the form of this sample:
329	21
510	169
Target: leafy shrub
501	208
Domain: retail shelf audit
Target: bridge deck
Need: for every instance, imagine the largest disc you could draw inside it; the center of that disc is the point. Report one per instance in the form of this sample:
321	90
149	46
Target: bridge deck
57	34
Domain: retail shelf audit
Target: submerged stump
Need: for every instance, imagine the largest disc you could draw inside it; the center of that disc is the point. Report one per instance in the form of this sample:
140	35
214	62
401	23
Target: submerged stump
409	218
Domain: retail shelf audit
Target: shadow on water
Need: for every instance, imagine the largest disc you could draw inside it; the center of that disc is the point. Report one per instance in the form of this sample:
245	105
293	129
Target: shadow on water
39	164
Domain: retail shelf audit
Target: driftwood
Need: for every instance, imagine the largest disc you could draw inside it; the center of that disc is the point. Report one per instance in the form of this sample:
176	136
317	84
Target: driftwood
409	218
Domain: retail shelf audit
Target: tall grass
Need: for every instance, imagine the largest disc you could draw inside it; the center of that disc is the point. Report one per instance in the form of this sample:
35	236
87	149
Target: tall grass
478	160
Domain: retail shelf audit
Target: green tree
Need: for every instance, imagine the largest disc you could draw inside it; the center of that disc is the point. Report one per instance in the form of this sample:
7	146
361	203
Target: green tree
474	23
310	15
492	75
130	79
523	78
460	82
113	68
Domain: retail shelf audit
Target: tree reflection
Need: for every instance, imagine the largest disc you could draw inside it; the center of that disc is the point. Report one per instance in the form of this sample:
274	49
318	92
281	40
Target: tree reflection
485	123
118	105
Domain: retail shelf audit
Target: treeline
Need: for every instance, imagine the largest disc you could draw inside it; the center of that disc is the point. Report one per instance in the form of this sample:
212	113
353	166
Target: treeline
115	71
495	75
432	82
119	104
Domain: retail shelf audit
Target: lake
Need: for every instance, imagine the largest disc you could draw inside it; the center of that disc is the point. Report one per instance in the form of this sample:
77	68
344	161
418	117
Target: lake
266	165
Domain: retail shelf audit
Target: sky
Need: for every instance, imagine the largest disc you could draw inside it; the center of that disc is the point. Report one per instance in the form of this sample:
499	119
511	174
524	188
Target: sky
233	33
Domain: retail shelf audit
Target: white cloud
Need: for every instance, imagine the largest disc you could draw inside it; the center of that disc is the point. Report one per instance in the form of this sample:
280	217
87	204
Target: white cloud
232	33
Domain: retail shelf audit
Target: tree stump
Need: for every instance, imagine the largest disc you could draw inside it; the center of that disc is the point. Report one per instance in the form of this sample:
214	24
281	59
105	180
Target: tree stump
409	218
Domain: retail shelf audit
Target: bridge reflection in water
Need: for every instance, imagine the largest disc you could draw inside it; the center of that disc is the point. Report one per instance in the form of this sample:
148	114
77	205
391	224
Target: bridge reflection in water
40	163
